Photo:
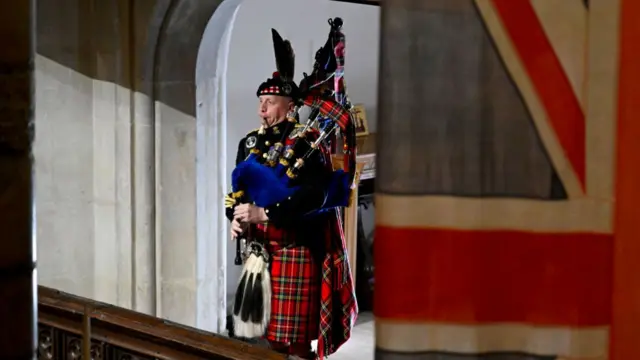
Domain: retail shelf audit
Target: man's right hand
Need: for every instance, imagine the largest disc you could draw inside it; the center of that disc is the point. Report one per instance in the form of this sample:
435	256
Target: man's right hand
237	228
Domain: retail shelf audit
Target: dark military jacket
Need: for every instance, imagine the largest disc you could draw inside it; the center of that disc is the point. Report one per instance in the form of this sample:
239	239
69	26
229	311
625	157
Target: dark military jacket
312	179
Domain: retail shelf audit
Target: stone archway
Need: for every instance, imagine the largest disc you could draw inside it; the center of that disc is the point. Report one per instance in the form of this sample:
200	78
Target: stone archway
213	150
186	281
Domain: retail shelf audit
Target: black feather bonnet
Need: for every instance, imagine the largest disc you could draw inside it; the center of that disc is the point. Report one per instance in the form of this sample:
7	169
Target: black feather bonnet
281	83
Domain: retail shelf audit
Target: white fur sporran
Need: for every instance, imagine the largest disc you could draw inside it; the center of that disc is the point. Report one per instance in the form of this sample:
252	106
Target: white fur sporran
252	305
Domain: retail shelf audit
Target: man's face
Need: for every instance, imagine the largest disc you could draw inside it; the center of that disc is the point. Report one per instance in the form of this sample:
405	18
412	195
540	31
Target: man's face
273	109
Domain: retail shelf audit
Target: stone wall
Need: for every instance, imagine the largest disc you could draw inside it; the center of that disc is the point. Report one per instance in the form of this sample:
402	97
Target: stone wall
116	137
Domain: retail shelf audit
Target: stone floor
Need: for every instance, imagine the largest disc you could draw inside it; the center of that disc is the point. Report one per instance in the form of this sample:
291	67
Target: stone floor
360	346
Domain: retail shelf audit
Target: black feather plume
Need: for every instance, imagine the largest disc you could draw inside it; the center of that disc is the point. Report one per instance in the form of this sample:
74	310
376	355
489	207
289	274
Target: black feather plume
247	299
238	301
285	57
258	301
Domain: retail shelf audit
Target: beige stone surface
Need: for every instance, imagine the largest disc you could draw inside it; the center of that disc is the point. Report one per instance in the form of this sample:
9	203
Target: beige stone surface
115	155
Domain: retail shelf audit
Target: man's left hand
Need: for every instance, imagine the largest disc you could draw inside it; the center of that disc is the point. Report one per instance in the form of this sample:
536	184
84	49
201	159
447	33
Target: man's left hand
251	214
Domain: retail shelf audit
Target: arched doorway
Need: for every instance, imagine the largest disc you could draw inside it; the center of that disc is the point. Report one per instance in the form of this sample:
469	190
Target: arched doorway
188	263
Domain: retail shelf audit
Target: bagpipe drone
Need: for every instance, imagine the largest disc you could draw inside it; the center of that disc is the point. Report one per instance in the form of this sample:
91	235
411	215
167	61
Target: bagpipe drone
270	180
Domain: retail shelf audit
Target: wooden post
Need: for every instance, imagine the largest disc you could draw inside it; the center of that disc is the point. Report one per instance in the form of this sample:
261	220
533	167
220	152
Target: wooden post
17	256
625	322
86	333
351	223
351	216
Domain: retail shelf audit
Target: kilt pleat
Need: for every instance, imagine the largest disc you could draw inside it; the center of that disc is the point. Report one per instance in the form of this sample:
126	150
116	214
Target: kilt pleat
295	303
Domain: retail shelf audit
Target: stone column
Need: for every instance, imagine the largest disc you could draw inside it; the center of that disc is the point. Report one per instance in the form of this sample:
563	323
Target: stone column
17	244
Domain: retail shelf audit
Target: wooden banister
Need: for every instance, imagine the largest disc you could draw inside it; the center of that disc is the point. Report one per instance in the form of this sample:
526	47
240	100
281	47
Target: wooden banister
120	334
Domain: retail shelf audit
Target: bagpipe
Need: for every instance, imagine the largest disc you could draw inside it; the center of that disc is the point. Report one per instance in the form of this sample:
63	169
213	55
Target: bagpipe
270	180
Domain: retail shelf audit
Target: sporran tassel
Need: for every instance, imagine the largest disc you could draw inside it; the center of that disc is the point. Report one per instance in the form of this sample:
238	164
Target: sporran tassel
252	305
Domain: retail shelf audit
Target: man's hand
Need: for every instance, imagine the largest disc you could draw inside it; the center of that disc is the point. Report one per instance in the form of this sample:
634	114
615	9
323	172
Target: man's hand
247	213
237	228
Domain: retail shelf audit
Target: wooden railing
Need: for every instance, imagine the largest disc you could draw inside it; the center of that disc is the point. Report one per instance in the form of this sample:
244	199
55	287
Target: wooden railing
119	334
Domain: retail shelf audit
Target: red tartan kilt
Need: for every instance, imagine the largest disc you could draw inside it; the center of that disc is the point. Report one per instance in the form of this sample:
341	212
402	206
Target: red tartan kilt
295	300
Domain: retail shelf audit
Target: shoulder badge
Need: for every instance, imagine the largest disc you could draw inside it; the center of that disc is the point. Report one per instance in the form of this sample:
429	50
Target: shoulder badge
250	142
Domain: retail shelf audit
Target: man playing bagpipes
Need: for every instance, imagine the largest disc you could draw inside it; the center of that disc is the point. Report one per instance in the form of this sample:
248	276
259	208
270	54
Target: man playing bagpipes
296	284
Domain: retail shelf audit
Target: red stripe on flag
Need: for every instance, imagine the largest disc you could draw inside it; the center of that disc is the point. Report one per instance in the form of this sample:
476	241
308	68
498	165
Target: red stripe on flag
493	276
548	77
